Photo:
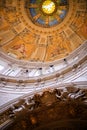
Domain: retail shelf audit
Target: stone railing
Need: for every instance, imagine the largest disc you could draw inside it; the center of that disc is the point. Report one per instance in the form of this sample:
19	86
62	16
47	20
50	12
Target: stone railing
69	74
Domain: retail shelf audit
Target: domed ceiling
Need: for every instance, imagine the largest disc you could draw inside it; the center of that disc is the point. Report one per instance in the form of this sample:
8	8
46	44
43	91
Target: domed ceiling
42	30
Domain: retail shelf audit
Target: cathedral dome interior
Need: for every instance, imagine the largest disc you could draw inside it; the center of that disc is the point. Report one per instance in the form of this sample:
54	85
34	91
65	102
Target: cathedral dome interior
43	64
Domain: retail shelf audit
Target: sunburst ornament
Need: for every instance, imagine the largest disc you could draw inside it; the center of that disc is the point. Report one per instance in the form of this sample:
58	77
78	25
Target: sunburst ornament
48	7
47	13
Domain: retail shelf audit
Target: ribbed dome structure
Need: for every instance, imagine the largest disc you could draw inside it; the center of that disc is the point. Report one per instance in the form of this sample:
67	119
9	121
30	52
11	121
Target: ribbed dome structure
27	33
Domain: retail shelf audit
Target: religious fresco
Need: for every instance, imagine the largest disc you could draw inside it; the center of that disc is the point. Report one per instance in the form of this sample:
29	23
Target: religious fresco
19	49
58	48
28	37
